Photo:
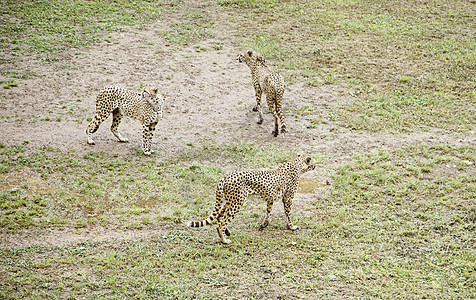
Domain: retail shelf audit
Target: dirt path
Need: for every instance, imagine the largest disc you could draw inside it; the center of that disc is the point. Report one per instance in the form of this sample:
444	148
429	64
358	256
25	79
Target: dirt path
209	99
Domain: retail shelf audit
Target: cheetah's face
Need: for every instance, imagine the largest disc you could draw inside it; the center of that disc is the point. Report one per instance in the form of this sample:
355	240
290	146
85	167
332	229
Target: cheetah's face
243	58
250	57
306	163
153	96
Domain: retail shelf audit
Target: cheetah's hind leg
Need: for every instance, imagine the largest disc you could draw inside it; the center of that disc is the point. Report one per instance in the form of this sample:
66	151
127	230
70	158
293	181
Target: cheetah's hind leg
223	239
269	207
276	126
89	133
257	107
223	220
116	120
93	127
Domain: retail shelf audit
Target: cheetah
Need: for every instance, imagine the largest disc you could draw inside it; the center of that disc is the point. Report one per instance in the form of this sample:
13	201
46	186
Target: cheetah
145	106
269	82
270	185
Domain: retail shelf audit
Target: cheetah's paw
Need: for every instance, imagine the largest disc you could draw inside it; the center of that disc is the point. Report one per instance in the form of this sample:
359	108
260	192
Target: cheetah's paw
293	227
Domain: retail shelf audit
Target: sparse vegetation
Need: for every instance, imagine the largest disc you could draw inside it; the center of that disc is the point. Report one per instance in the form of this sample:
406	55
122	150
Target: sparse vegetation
390	220
50	27
98	184
8	84
394	223
360	44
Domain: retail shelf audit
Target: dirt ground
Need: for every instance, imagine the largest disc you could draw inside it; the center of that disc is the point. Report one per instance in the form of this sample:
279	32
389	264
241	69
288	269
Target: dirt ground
209	100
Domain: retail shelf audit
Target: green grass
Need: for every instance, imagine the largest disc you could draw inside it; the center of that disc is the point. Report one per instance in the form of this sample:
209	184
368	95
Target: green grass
364	48
398	111
189	29
239	154
393	224
410	214
51	27
54	188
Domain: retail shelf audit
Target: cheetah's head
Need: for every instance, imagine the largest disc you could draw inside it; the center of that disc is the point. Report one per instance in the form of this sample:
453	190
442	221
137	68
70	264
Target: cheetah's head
305	163
251	58
152	95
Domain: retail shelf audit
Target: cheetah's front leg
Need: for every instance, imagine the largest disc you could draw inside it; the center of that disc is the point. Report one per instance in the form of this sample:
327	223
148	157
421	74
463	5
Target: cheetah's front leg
147	134
287	201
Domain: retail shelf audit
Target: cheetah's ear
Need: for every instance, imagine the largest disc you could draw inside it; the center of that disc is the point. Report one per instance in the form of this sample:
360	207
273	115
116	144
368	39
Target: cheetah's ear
145	93
261	59
250	52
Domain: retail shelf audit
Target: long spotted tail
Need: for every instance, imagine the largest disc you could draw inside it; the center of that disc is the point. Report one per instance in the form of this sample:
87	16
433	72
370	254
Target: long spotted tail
216	210
201	223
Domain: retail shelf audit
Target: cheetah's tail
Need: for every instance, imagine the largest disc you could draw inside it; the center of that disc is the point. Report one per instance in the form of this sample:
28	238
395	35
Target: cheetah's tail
201	223
216	210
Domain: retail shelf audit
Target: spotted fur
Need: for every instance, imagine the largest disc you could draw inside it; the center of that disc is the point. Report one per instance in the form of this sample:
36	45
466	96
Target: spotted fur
145	106
270	185
269	82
